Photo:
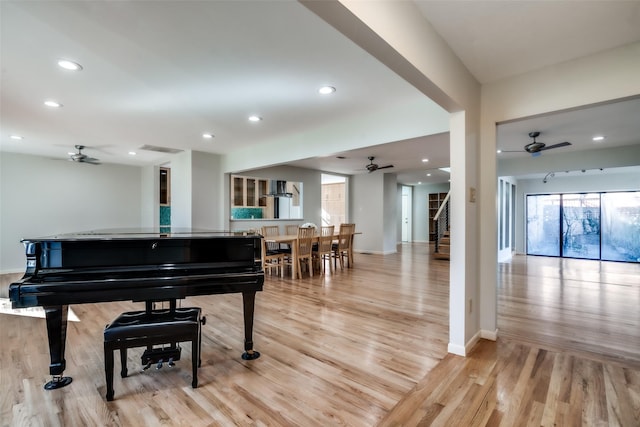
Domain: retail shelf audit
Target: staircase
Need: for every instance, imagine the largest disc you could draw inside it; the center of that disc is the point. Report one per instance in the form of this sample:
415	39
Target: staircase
443	239
443	246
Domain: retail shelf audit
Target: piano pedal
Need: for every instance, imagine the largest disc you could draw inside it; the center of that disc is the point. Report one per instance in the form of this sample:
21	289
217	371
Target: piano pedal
158	356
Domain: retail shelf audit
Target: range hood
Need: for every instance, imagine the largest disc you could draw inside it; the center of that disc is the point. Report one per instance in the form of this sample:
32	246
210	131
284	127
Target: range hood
278	189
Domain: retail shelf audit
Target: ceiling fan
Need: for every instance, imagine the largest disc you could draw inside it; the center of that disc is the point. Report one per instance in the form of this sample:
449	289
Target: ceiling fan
535	147
83	158
372	167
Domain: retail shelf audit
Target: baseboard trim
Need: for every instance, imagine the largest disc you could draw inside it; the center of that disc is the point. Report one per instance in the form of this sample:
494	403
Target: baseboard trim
466	349
489	335
456	349
356	251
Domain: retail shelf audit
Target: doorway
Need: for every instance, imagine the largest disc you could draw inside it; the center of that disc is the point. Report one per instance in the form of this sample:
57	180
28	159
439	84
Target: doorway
407	193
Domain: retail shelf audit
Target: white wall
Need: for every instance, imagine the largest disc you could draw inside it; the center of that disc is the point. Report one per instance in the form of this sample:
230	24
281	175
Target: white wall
181	184
390	213
207	192
42	197
367	199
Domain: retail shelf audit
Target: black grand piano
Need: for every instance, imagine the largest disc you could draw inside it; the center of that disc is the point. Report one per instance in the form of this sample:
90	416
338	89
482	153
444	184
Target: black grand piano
136	265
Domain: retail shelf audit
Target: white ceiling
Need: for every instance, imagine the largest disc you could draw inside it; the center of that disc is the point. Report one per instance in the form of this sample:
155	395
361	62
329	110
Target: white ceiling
162	73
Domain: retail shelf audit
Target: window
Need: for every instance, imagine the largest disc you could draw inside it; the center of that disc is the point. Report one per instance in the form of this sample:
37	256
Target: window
602	226
621	226
543	225
334	203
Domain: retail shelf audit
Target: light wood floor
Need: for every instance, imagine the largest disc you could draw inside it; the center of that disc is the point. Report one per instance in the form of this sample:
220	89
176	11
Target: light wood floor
362	347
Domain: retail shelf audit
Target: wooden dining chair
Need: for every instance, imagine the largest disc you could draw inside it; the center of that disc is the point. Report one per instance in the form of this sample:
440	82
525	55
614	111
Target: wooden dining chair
289	230
343	247
322	251
272	257
304	246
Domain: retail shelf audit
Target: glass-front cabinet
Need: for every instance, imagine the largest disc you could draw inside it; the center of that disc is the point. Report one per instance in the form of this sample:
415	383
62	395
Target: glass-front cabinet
261	198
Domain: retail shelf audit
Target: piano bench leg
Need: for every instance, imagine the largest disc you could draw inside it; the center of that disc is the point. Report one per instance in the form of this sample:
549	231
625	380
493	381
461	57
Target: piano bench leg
123	362
108	369
195	361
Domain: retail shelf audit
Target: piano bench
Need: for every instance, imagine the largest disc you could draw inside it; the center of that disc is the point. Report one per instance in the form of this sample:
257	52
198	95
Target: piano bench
148	328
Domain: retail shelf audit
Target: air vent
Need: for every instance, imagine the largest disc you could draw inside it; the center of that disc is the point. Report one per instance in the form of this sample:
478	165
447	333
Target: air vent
160	149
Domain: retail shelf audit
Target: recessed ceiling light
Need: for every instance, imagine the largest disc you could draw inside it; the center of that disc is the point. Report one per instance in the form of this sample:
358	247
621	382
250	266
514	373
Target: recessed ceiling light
132	153
69	65
425	160
419	182
326	90
207	135
18	137
598	138
428	174
499	151
52	104
255	118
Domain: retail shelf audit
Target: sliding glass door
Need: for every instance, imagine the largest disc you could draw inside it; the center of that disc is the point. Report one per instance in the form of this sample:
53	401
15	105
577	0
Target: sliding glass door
586	225
581	225
621	226
543	225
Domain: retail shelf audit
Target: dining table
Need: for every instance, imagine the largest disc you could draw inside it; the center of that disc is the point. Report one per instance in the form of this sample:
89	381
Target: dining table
291	240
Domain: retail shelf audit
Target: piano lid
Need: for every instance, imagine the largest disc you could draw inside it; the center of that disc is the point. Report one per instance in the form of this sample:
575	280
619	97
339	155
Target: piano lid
142	233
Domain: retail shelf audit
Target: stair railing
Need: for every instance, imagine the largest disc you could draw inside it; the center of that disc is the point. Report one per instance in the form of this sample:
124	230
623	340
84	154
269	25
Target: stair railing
441	220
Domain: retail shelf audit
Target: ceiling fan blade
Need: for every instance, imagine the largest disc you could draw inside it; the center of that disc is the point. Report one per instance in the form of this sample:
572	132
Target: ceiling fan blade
561	144
385	167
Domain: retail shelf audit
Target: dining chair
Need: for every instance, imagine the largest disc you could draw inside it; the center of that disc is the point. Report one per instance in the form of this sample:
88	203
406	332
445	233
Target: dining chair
322	251
304	246
343	247
272	257
289	230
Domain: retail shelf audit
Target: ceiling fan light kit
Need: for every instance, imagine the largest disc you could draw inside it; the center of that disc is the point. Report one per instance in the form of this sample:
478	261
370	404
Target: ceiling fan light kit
372	167
79	157
534	148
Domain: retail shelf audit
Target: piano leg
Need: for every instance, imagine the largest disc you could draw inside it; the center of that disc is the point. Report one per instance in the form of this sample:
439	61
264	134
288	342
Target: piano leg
248	300
57	331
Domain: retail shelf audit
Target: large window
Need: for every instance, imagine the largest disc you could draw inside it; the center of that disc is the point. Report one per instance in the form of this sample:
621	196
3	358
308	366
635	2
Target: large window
587	225
621	226
543	225
334	200
581	225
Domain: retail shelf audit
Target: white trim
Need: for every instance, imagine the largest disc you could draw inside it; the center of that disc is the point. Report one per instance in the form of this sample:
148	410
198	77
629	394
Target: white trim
481	334
472	342
374	252
456	349
489	335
